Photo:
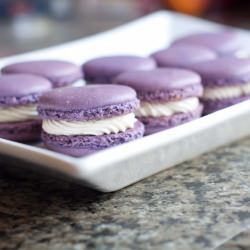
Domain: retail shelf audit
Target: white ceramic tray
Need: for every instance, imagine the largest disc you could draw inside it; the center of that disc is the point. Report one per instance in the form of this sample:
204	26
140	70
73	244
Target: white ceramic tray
117	167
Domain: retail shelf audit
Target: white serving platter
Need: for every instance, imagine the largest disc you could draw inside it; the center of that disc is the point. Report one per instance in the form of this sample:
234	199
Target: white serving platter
118	167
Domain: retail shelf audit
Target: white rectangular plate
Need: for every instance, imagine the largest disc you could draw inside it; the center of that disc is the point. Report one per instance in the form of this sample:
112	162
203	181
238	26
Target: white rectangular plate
117	167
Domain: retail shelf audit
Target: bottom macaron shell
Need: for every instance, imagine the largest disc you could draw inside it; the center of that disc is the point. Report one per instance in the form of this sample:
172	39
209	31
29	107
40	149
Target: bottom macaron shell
21	131
213	106
83	145
157	124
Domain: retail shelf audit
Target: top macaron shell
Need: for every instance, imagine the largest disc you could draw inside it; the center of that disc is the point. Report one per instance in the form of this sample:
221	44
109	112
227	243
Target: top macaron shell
104	69
166	84
183	55
91	102
60	73
21	89
224	71
223	42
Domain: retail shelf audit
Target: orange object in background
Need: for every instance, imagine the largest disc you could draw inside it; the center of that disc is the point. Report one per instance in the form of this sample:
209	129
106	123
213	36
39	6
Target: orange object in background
193	7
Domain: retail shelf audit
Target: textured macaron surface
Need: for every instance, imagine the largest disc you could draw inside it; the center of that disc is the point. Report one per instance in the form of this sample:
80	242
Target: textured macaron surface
222	42
183	55
21	89
224	71
91	102
58	72
162	84
105	68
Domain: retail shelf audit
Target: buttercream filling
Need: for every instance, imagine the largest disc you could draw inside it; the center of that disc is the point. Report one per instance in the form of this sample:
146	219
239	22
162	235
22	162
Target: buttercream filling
218	93
18	113
99	127
157	109
78	83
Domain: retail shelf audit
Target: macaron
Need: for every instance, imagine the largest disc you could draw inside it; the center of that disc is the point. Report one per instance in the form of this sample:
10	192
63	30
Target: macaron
105	69
169	96
226	82
59	73
19	95
83	120
225	42
183	55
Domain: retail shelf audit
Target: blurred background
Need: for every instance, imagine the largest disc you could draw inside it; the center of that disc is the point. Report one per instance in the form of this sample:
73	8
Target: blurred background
27	25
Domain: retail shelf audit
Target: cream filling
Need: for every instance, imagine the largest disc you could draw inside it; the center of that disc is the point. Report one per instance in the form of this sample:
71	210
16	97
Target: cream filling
218	93
18	113
157	109
78	83
100	127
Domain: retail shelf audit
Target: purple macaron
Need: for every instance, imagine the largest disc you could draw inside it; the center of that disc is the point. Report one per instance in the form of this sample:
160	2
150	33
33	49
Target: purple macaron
105	69
19	94
223	42
83	120
169	96
59	73
226	82
183	55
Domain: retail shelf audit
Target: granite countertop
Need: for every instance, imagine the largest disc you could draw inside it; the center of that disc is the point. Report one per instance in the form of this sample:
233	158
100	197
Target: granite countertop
200	204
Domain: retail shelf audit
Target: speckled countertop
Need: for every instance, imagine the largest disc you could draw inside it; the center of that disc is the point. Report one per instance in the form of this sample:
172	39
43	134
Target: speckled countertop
200	204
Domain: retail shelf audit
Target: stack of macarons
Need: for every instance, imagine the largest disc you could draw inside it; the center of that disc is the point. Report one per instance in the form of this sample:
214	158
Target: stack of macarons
82	120
126	97
59	73
169	97
216	57
21	85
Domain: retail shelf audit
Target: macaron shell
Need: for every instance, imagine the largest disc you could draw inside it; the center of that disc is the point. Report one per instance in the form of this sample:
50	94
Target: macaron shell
99	113
223	42
158	79
183	55
166	84
104	69
21	131
60	73
86	97
83	145
19	85
88	103
157	124
224	71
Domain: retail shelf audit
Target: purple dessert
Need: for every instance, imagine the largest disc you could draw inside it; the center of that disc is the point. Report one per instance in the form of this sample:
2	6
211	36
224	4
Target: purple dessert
226	82
183	55
59	73
83	120
19	94
169	96
223	43
105	69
